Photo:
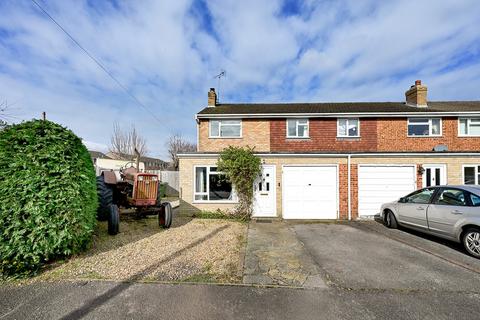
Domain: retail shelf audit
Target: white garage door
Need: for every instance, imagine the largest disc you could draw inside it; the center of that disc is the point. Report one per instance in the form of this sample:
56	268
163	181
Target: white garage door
310	192
381	183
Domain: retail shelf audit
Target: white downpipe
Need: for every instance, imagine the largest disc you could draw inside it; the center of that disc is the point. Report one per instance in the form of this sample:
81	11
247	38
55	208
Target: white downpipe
349	190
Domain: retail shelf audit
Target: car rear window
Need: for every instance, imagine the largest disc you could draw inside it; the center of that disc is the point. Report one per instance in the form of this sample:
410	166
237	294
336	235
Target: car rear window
475	200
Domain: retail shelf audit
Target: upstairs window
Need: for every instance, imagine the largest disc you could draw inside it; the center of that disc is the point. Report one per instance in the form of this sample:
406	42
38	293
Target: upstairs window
424	127
469	127
225	128
297	128
348	128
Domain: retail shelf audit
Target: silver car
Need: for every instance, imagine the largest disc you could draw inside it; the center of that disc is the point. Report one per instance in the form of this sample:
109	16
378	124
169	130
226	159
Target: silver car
450	212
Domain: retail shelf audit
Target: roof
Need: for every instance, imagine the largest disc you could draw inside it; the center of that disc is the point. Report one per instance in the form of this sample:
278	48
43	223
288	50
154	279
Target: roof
339	107
98	154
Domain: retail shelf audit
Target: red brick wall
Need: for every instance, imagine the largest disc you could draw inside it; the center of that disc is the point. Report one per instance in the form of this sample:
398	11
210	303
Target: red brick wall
343	191
354	190
392	136
419	178
323	137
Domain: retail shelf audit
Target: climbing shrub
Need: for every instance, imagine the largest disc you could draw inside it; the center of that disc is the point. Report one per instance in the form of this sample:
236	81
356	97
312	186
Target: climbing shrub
48	195
241	168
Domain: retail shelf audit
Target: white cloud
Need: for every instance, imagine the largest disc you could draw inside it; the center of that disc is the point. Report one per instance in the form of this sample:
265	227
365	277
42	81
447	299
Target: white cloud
161	50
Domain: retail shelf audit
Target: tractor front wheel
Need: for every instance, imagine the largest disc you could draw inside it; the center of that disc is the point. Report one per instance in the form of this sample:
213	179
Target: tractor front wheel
113	220
165	215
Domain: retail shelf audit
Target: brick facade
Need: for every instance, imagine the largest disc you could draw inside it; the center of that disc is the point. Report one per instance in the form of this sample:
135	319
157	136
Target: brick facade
453	165
392	136
376	135
255	133
323	137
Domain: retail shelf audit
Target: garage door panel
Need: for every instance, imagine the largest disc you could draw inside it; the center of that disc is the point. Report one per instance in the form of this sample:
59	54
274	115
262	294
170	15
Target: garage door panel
310	192
382	183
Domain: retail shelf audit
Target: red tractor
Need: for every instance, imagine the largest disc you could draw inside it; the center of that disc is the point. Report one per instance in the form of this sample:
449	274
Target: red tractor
134	189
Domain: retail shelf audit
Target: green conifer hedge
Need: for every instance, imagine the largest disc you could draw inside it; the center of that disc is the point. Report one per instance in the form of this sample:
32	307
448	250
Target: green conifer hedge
48	197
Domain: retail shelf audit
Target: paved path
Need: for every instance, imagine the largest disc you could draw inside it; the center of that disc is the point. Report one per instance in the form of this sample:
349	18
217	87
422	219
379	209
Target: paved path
275	256
113	300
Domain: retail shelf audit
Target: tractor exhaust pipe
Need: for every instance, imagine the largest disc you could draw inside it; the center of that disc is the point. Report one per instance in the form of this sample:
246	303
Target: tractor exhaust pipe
137	159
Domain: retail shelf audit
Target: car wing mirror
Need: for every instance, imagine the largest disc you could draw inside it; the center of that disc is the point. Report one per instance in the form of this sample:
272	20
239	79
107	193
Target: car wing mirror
402	200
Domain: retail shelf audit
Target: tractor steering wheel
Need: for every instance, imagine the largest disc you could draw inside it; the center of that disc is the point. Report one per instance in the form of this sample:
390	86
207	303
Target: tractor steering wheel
127	165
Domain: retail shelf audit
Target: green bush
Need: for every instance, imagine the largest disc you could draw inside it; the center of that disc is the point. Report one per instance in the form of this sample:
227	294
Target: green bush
48	197
242	167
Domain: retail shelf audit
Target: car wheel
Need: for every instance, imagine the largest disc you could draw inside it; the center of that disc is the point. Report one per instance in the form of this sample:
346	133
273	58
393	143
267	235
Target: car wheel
471	241
390	220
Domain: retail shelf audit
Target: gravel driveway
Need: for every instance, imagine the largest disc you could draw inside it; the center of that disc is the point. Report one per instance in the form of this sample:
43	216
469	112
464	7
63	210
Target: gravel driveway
191	250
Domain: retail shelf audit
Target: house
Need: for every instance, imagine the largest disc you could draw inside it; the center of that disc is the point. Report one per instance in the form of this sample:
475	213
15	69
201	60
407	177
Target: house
150	163
97	155
334	160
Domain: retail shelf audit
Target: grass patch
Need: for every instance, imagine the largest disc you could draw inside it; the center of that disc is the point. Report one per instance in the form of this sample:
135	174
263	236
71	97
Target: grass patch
216	215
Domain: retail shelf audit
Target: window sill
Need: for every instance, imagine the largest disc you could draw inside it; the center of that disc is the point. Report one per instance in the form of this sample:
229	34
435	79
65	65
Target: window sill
297	138
225	137
424	136
348	138
468	136
214	202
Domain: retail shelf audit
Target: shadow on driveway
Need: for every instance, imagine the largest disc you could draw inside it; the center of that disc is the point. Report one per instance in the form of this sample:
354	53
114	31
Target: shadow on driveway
111	293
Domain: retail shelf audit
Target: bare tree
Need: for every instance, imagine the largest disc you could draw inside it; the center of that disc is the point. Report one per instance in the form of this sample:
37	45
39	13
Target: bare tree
124	142
177	144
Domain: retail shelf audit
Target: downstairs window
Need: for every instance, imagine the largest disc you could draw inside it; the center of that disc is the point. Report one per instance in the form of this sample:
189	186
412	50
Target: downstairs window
470	174
211	185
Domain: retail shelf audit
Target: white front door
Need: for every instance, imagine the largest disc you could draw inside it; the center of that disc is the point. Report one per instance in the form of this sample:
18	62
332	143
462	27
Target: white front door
434	175
264	200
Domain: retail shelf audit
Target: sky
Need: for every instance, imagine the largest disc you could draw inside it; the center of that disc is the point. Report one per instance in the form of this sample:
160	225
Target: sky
167	53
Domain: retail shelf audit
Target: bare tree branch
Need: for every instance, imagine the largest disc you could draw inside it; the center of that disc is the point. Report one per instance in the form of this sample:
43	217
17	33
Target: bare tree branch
176	144
124	142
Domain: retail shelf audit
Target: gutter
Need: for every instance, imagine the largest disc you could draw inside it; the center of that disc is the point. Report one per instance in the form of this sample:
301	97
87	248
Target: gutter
337	115
339	155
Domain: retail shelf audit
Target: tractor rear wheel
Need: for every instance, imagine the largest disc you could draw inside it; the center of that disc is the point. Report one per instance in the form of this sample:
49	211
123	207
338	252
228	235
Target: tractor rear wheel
105	199
165	215
113	220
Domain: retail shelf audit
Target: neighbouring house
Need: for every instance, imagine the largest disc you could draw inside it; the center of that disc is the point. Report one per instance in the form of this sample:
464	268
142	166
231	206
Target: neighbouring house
97	155
334	160
150	163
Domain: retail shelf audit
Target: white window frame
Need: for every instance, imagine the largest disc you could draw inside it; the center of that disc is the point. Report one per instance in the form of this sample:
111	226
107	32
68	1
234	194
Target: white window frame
469	120
348	120
429	127
219	136
296	136
476	172
208	173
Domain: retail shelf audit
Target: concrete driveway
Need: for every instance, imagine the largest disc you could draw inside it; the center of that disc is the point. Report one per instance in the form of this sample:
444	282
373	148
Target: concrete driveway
367	255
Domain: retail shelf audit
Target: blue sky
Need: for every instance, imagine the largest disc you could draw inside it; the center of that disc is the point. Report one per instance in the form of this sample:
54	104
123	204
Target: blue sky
168	52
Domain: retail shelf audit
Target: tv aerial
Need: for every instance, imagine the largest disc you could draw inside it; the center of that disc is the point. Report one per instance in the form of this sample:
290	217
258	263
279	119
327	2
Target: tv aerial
219	76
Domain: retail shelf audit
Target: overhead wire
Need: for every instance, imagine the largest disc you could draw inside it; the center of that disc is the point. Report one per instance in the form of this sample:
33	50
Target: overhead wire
97	62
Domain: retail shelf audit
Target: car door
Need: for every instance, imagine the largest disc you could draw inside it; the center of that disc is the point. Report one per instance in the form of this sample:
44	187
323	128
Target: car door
413	209
448	206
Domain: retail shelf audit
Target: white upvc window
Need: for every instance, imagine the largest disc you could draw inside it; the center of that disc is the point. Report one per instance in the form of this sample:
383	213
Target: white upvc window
225	128
469	127
212	186
471	174
424	127
348	128
297	128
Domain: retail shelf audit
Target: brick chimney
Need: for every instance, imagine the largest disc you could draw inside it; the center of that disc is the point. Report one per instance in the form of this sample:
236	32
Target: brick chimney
212	98
416	96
